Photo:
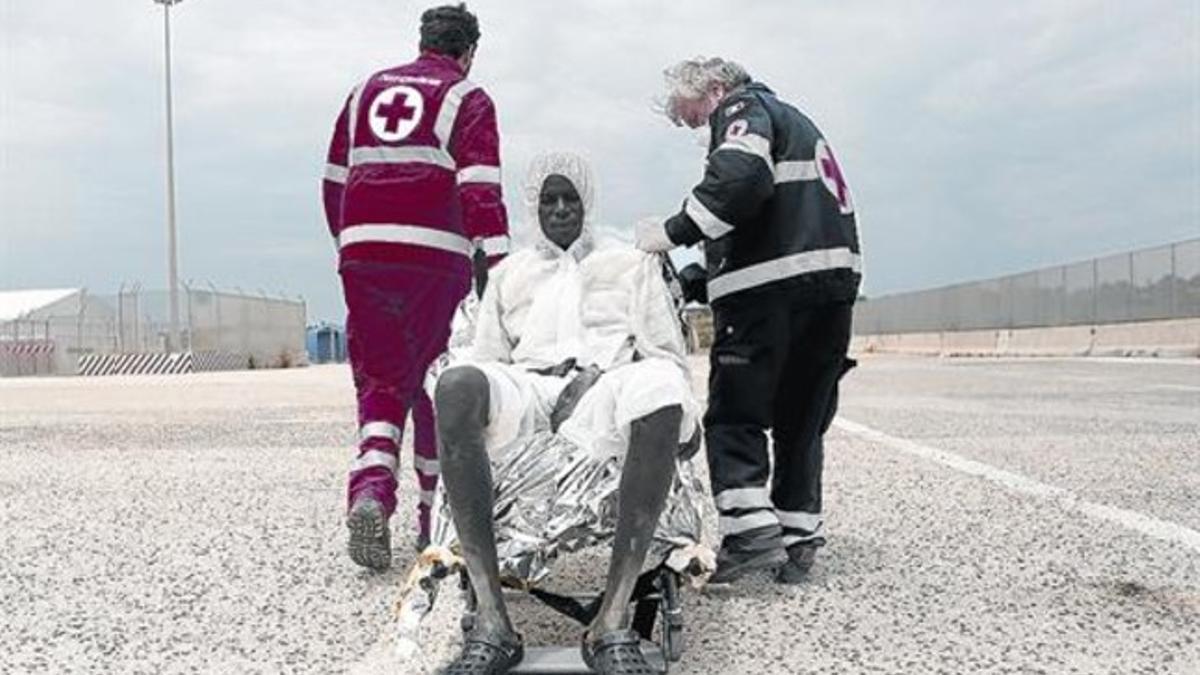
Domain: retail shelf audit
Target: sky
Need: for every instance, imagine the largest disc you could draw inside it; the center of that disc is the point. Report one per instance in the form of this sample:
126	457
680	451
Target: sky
979	138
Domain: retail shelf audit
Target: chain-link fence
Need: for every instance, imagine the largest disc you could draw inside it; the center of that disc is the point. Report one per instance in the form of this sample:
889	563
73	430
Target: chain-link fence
255	330
1145	285
51	341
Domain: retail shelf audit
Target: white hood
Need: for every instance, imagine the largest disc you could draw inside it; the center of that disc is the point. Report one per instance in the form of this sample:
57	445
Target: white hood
596	302
576	169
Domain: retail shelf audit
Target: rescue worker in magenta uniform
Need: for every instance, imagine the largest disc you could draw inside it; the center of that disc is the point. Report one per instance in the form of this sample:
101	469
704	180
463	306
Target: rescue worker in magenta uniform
412	197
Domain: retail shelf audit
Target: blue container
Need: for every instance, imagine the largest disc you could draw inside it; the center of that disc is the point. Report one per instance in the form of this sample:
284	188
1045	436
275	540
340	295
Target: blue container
326	343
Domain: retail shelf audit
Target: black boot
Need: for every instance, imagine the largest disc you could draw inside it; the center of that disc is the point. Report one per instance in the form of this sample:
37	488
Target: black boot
757	549
800	561
370	542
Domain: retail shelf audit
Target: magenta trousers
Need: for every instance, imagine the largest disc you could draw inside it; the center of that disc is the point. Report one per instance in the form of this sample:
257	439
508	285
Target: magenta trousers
398	322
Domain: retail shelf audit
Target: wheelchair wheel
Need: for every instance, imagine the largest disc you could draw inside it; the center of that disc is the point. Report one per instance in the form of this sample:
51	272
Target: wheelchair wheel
467	622
671	608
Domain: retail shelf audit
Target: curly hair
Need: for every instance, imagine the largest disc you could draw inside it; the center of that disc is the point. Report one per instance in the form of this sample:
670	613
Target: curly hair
694	77
449	30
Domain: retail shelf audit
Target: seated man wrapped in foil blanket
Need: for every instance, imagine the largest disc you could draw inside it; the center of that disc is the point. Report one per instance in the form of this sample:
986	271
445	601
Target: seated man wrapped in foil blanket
568	421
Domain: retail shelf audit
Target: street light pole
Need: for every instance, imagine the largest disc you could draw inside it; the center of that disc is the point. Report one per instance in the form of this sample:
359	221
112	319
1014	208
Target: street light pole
172	245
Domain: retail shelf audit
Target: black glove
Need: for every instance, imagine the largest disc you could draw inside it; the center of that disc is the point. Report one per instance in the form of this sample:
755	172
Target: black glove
569	398
694	280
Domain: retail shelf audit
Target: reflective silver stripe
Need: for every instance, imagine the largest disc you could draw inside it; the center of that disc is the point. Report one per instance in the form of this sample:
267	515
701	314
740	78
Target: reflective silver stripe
405	234
809	522
427	497
479	174
380	430
352	118
372	459
787	172
336	173
753	144
384	154
429	467
783	268
444	125
495	245
789	539
750	521
712	226
744	498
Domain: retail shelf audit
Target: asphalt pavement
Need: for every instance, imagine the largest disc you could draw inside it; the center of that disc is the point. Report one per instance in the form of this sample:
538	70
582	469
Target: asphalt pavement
984	516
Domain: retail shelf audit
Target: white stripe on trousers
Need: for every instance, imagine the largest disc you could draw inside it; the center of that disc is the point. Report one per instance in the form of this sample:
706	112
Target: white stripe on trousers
373	458
380	429
800	520
744	498
737	524
790	539
429	467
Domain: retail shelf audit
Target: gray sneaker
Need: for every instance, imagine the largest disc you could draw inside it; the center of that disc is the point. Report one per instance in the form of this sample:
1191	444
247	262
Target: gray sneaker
370	538
740	554
800	561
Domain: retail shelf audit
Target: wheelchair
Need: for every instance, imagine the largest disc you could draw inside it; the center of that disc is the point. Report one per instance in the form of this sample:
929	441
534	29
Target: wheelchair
656	603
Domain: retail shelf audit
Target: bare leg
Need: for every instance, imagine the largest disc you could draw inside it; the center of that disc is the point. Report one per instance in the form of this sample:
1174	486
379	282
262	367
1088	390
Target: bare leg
462	412
645	481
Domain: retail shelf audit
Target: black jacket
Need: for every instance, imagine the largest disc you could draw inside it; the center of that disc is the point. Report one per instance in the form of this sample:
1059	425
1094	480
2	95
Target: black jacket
774	210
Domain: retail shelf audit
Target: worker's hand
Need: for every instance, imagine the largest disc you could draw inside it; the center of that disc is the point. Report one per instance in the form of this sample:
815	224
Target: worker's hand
693	279
650	235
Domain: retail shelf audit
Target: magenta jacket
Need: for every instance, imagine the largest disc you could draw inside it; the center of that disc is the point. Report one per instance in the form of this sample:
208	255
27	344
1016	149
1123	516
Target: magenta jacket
413	171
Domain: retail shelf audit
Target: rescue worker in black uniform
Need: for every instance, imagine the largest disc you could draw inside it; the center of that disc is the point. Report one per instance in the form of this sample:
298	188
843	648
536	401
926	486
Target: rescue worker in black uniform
776	221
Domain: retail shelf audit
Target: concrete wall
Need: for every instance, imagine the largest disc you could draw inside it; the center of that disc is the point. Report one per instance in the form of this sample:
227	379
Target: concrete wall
268	332
1170	338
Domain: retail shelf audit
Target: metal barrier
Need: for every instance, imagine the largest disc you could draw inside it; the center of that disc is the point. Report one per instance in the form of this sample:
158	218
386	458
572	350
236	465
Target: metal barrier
1144	285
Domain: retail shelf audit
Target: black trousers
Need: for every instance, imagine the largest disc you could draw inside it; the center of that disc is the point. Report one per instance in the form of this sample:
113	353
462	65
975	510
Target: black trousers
775	364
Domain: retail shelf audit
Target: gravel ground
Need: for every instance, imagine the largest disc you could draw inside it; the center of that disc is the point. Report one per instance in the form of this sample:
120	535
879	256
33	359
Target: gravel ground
194	524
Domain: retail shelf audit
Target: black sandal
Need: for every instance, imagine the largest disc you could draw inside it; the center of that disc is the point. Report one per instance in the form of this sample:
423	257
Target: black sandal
484	654
617	653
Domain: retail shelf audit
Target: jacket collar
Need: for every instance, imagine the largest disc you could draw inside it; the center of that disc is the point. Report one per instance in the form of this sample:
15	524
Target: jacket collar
434	58
732	94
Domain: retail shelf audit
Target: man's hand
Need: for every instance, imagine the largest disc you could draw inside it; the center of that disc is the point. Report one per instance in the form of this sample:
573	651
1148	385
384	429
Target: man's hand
569	398
650	235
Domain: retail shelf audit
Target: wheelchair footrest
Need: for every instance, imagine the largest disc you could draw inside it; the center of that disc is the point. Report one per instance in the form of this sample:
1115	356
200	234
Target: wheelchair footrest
568	660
